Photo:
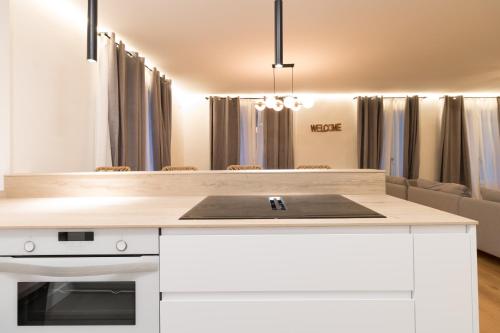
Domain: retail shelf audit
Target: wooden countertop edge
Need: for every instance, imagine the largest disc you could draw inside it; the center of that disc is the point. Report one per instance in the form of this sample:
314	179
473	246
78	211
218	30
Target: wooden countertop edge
239	225
188	173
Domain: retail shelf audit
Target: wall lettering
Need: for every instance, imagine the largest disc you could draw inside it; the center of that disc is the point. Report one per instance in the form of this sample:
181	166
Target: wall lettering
322	128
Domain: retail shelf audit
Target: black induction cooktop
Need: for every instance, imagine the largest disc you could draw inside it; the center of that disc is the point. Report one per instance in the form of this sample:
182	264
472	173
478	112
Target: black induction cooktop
278	207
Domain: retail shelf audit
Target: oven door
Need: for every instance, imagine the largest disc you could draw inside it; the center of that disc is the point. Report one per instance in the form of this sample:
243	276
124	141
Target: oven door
79	294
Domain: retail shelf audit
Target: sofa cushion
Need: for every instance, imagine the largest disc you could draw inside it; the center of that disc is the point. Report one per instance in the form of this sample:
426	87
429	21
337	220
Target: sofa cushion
490	194
397	190
396	180
412	182
487	214
451	188
440	200
425	183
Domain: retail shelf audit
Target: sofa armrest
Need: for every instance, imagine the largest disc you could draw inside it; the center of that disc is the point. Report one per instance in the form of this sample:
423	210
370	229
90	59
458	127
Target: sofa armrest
396	190
487	213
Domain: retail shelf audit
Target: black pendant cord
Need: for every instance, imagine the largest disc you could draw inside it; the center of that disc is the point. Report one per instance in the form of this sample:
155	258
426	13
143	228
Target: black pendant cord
274	80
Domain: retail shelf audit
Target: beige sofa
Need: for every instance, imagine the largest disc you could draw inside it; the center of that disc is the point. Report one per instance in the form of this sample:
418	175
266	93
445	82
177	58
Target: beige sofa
455	199
439	200
397	187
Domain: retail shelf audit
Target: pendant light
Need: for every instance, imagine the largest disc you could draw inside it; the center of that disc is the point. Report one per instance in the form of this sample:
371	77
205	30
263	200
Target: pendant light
274	102
92	31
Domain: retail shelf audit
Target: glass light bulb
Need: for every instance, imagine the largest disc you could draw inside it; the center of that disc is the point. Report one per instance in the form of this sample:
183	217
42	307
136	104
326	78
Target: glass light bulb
270	102
278	106
289	101
260	106
296	108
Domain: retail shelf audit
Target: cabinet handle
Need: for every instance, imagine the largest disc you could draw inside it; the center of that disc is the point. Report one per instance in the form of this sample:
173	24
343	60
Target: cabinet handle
26	266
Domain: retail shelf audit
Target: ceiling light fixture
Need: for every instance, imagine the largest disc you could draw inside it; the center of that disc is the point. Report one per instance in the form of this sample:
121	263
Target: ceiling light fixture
279	102
92	31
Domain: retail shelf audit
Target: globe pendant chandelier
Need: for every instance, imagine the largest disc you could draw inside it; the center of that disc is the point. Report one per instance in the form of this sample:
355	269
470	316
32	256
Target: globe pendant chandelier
278	103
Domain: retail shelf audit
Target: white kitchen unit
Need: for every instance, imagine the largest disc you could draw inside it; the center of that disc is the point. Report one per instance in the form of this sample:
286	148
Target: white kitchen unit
393	279
411	269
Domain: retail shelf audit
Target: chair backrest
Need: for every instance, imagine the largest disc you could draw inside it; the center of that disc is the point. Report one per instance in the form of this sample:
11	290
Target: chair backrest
179	168
112	169
244	167
312	166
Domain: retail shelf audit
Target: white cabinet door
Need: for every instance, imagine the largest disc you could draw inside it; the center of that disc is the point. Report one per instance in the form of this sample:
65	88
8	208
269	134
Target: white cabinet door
286	262
444	283
306	316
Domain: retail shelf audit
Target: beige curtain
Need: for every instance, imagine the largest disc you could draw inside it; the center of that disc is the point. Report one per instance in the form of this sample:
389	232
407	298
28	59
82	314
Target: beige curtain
411	161
166	102
498	102
225	132
113	103
132	101
107	77
370	131
248	133
278	139
455	163
161	116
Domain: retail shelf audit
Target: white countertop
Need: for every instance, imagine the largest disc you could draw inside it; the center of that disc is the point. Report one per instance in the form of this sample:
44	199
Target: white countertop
164	212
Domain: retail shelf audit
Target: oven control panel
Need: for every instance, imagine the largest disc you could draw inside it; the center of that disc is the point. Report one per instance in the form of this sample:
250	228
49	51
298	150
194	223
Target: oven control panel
44	242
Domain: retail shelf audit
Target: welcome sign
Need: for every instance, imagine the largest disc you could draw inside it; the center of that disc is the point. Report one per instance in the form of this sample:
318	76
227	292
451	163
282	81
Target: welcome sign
322	128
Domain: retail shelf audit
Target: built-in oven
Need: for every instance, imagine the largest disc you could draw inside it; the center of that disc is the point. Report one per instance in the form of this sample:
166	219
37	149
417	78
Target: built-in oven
101	281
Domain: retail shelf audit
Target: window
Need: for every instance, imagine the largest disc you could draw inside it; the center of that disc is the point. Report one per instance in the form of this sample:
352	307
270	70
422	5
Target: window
251	134
483	138
393	141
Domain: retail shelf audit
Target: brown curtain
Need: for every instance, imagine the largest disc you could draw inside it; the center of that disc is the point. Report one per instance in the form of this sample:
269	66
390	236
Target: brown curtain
455	163
132	102
129	108
370	131
278	139
411	162
225	132
161	116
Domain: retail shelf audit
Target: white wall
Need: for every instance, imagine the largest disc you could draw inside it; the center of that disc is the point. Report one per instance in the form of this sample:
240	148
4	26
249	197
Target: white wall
54	94
191	133
53	87
52	102
190	130
4	90
337	149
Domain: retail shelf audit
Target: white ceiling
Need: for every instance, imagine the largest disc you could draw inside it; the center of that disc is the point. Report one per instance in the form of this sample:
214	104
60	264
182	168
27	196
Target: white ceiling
338	46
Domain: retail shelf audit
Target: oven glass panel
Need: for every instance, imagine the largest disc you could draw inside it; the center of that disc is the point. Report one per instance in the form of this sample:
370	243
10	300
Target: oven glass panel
75	303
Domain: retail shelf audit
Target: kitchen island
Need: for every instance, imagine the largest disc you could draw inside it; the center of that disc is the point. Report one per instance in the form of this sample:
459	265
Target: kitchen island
412	271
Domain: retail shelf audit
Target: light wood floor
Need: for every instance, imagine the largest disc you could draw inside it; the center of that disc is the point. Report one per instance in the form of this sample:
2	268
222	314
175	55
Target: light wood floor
489	293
